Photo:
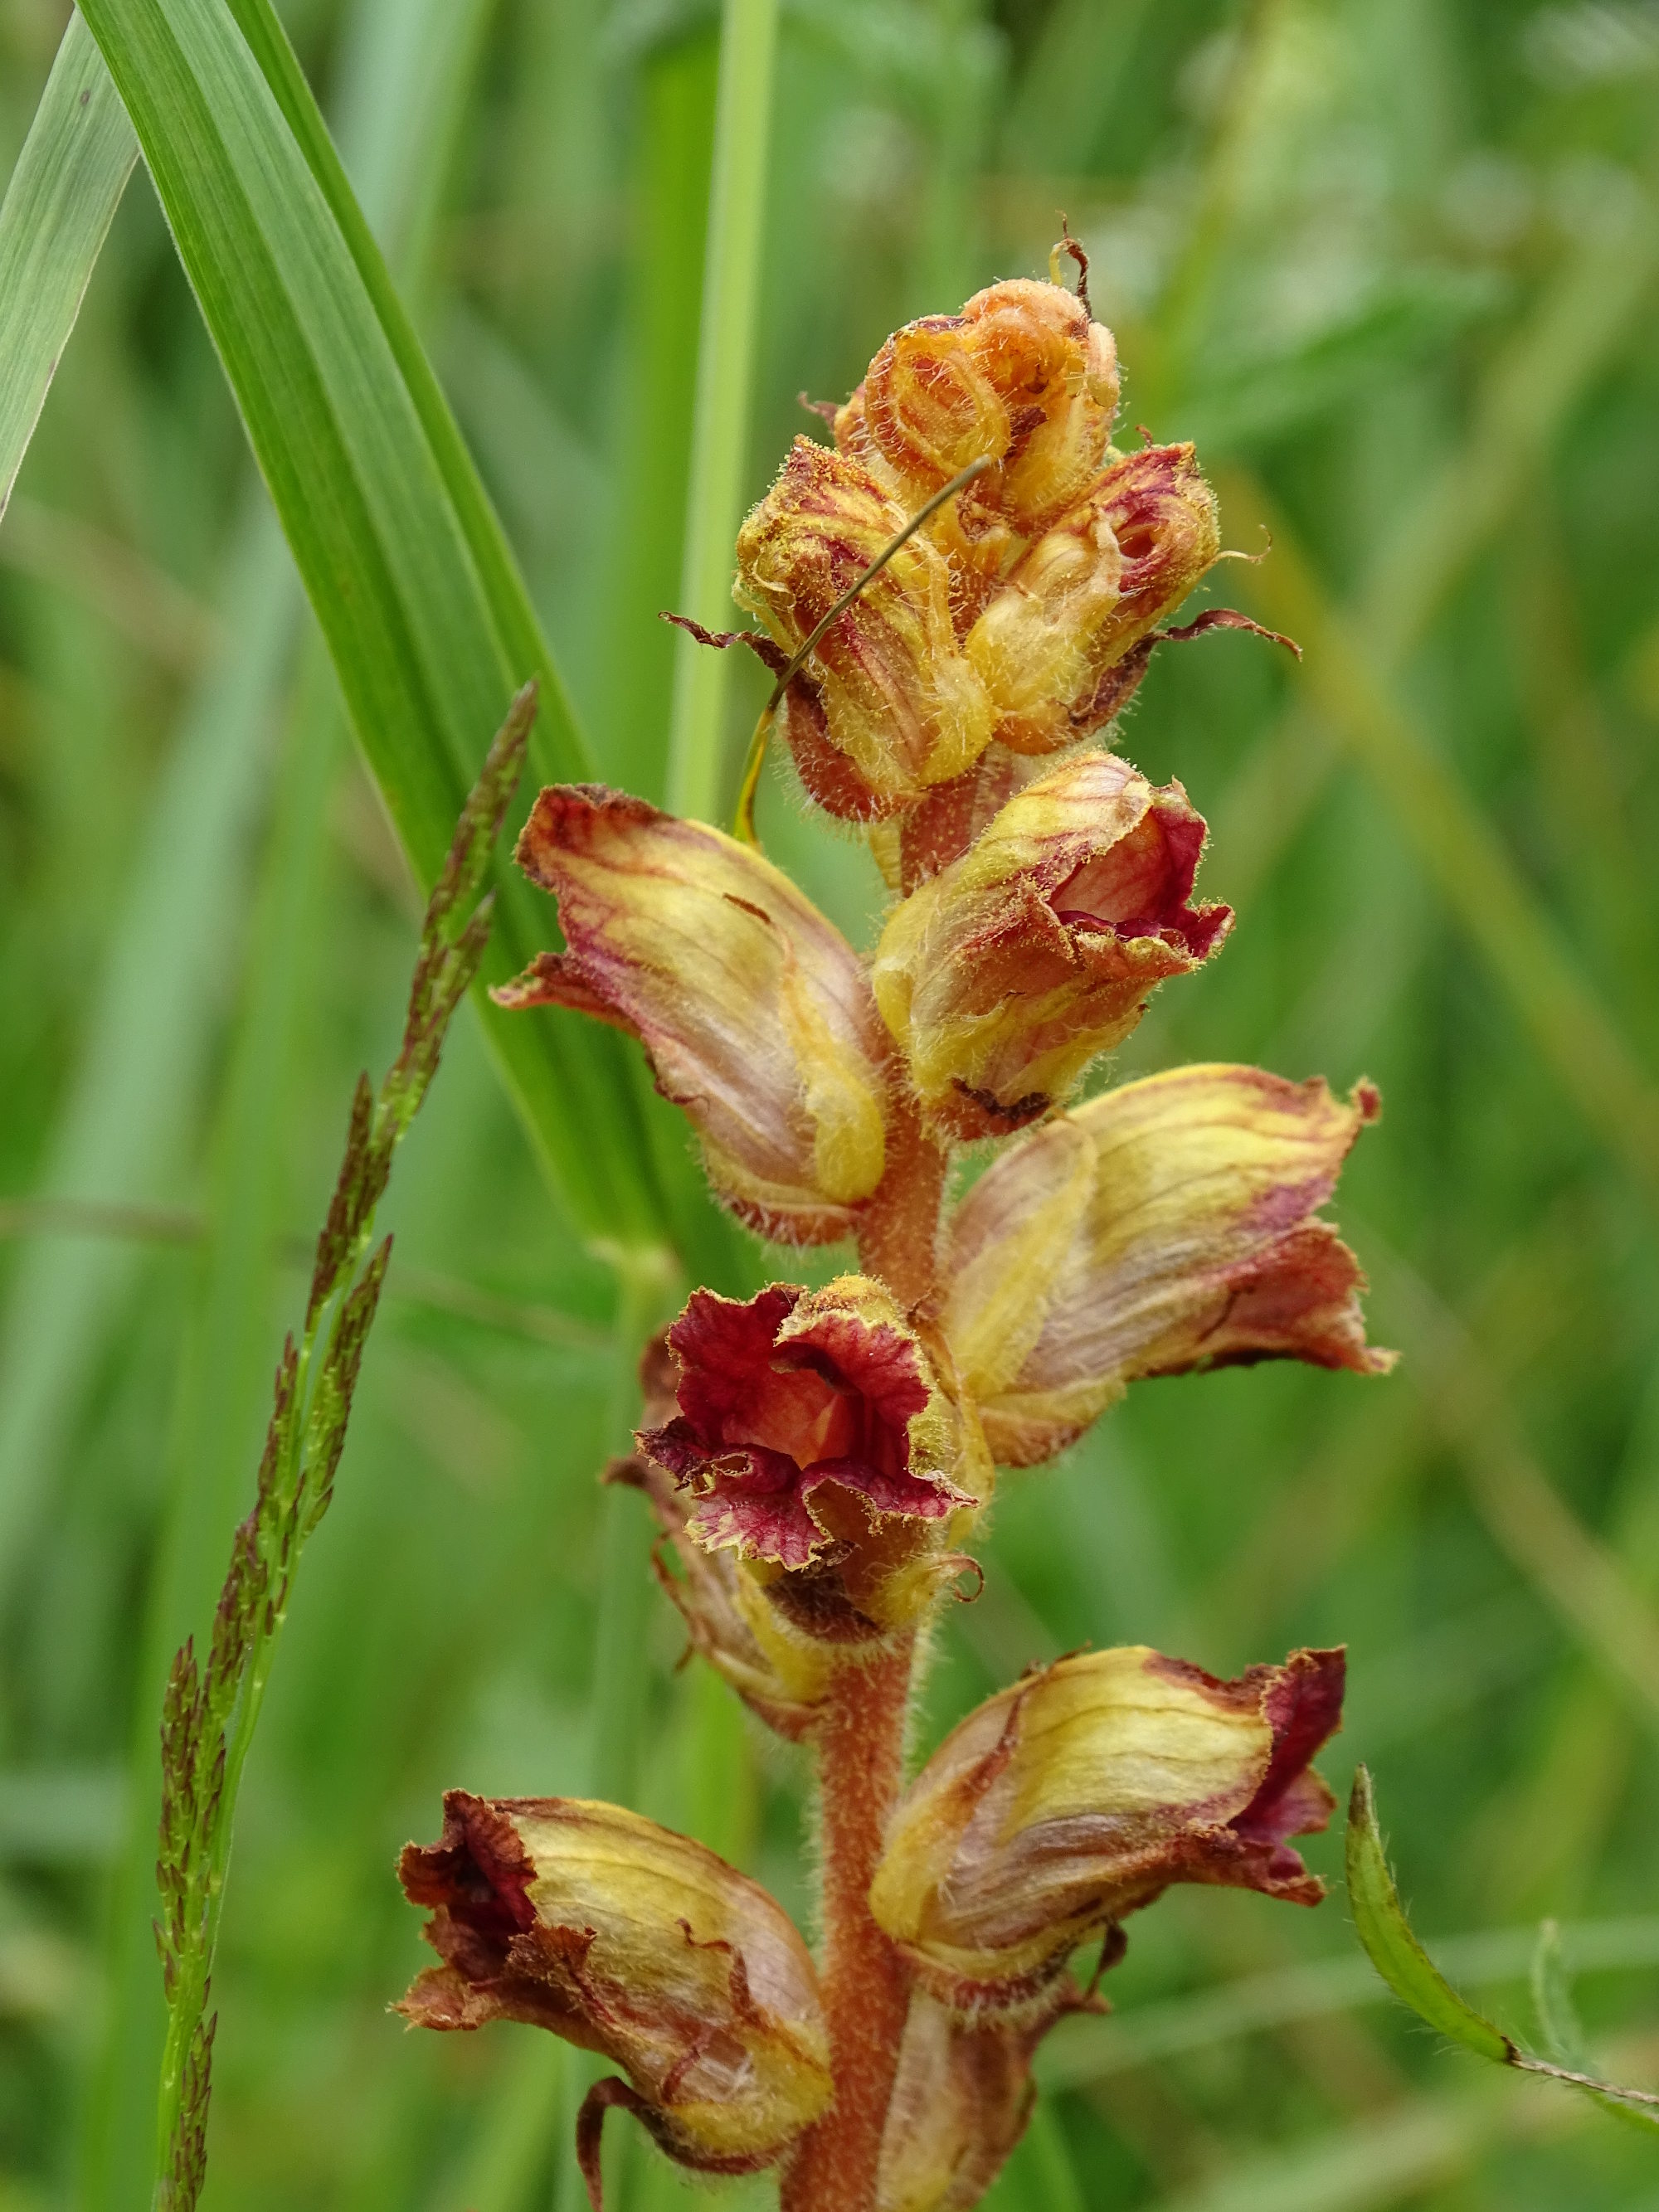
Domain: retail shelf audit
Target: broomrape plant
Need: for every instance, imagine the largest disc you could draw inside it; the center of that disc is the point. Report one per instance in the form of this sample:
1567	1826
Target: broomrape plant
957	599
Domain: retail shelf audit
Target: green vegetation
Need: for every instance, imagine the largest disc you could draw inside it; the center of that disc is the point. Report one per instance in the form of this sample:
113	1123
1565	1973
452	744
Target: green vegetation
1393	265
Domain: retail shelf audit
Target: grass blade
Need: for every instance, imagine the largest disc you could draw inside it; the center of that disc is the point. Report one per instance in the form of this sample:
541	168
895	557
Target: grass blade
1559	2023
125	1129
429	630
1464	855
57	210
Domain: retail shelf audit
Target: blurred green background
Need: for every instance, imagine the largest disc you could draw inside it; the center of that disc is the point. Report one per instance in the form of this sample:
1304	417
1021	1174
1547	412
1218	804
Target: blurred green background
1392	263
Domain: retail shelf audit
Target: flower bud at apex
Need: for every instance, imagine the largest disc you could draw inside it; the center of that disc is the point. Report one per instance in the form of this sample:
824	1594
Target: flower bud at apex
888	704
1021	377
1008	972
1079	1795
755	1011
815	1439
1168	1225
1091	589
629	1940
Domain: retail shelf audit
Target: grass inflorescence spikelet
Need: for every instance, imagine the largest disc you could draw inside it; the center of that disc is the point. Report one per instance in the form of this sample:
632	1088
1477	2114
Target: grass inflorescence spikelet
209	1710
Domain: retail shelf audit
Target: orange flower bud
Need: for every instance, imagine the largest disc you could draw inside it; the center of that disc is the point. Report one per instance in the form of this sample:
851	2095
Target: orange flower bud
1005	975
1168	1225
1051	642
815	1439
1079	1795
1021	376
889	705
756	1012
635	1942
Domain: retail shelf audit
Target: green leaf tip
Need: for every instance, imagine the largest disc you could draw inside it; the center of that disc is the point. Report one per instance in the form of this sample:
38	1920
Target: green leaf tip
1380	1922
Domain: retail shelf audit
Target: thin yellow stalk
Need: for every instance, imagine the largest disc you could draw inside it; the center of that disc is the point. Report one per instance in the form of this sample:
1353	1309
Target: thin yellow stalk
725	378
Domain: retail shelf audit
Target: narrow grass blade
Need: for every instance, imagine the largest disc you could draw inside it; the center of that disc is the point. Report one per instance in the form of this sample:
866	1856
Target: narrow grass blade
426	621
558	748
125	1129
725	373
1558	2024
1380	1922
57	213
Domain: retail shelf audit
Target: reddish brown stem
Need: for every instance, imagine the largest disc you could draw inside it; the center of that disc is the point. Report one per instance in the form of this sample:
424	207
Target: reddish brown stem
861	1747
898	1229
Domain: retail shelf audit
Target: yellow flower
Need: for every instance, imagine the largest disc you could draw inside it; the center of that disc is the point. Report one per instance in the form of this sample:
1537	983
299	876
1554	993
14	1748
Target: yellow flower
1052	644
888	704
756	1012
1171	1224
1078	1795
1007	973
629	1940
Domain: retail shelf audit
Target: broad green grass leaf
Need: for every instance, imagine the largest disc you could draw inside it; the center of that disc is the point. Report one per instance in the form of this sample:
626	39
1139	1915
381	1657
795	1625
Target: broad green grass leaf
1380	1921
57	210
407	582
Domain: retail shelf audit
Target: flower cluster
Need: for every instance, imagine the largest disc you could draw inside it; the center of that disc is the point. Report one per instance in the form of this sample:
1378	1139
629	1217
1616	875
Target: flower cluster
818	1460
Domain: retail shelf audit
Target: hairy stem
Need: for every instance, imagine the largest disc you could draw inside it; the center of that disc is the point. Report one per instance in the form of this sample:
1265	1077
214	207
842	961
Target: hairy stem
898	1231
860	1749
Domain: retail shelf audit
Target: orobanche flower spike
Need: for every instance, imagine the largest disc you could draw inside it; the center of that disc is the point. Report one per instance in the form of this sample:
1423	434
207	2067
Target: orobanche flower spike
958	597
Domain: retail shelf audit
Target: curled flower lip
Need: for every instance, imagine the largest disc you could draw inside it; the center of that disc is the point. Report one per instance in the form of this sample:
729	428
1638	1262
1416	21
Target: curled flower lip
1168	1225
1003	976
790	1397
627	1939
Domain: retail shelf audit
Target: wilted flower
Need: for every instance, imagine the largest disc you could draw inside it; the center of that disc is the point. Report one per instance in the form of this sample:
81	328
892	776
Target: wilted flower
635	1942
889	705
1171	1224
1021	377
1080	1794
756	1012
1006	974
1053	638
813	1434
